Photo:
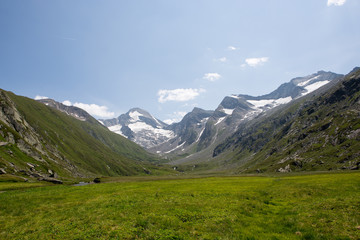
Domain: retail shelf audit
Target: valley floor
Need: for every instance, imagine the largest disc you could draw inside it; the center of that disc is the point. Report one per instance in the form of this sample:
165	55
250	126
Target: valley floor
317	206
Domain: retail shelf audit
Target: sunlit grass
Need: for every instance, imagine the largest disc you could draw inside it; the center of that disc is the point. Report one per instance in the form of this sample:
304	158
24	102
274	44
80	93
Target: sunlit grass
323	206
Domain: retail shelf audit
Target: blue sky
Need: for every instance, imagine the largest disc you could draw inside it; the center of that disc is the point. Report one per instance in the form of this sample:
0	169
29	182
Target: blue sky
168	56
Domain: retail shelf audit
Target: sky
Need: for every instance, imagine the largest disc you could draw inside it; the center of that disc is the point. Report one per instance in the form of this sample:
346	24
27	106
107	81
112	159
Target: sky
169	56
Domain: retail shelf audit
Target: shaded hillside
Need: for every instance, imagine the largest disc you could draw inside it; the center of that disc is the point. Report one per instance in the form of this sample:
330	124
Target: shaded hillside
40	141
315	133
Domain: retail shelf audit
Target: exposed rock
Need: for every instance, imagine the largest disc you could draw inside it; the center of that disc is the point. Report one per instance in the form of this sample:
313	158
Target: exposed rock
52	180
52	173
356	167
320	162
285	169
30	165
297	163
354	134
147	171
10	138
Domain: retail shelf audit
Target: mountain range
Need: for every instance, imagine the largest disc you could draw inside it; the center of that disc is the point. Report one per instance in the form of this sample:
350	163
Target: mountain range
197	134
309	123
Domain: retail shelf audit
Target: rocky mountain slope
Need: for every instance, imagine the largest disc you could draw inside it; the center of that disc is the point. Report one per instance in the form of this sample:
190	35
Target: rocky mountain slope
236	110
39	141
186	133
200	131
319	132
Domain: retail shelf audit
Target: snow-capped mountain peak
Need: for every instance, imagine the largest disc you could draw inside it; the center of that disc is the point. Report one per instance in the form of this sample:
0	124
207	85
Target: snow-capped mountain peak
141	127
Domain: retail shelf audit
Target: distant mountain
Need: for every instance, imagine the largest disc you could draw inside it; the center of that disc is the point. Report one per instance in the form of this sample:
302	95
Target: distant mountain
235	110
186	132
141	127
202	136
58	142
319	132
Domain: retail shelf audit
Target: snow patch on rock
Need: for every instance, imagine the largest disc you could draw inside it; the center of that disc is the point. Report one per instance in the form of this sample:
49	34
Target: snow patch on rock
135	116
117	129
220	120
177	147
269	102
228	111
312	87
307	81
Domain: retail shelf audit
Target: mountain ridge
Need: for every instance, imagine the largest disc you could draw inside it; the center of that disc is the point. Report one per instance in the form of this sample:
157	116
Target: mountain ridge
201	133
42	142
237	109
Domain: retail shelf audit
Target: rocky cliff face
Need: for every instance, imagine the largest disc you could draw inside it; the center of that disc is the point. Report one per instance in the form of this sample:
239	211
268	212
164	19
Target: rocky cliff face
22	139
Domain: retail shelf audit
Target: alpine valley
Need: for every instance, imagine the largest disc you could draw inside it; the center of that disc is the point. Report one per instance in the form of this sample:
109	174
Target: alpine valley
309	123
242	129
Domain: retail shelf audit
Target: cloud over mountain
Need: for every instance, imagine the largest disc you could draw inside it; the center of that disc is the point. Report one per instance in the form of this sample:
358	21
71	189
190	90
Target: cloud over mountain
179	94
92	109
38	97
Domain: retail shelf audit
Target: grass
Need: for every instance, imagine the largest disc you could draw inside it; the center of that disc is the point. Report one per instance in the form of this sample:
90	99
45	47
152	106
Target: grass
322	206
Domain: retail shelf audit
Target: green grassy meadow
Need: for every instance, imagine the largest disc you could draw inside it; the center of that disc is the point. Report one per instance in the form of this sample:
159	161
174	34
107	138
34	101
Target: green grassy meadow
318	206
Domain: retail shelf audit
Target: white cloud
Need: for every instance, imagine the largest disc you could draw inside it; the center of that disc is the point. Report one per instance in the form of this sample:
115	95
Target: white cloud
223	59
232	48
336	2
95	110
67	103
92	109
37	97
178	95
212	77
254	62
176	117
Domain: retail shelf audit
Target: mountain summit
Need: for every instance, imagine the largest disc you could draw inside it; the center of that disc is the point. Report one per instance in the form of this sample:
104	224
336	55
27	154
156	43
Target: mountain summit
141	127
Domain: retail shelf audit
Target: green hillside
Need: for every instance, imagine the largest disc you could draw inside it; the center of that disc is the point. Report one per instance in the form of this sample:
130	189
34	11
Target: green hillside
39	140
